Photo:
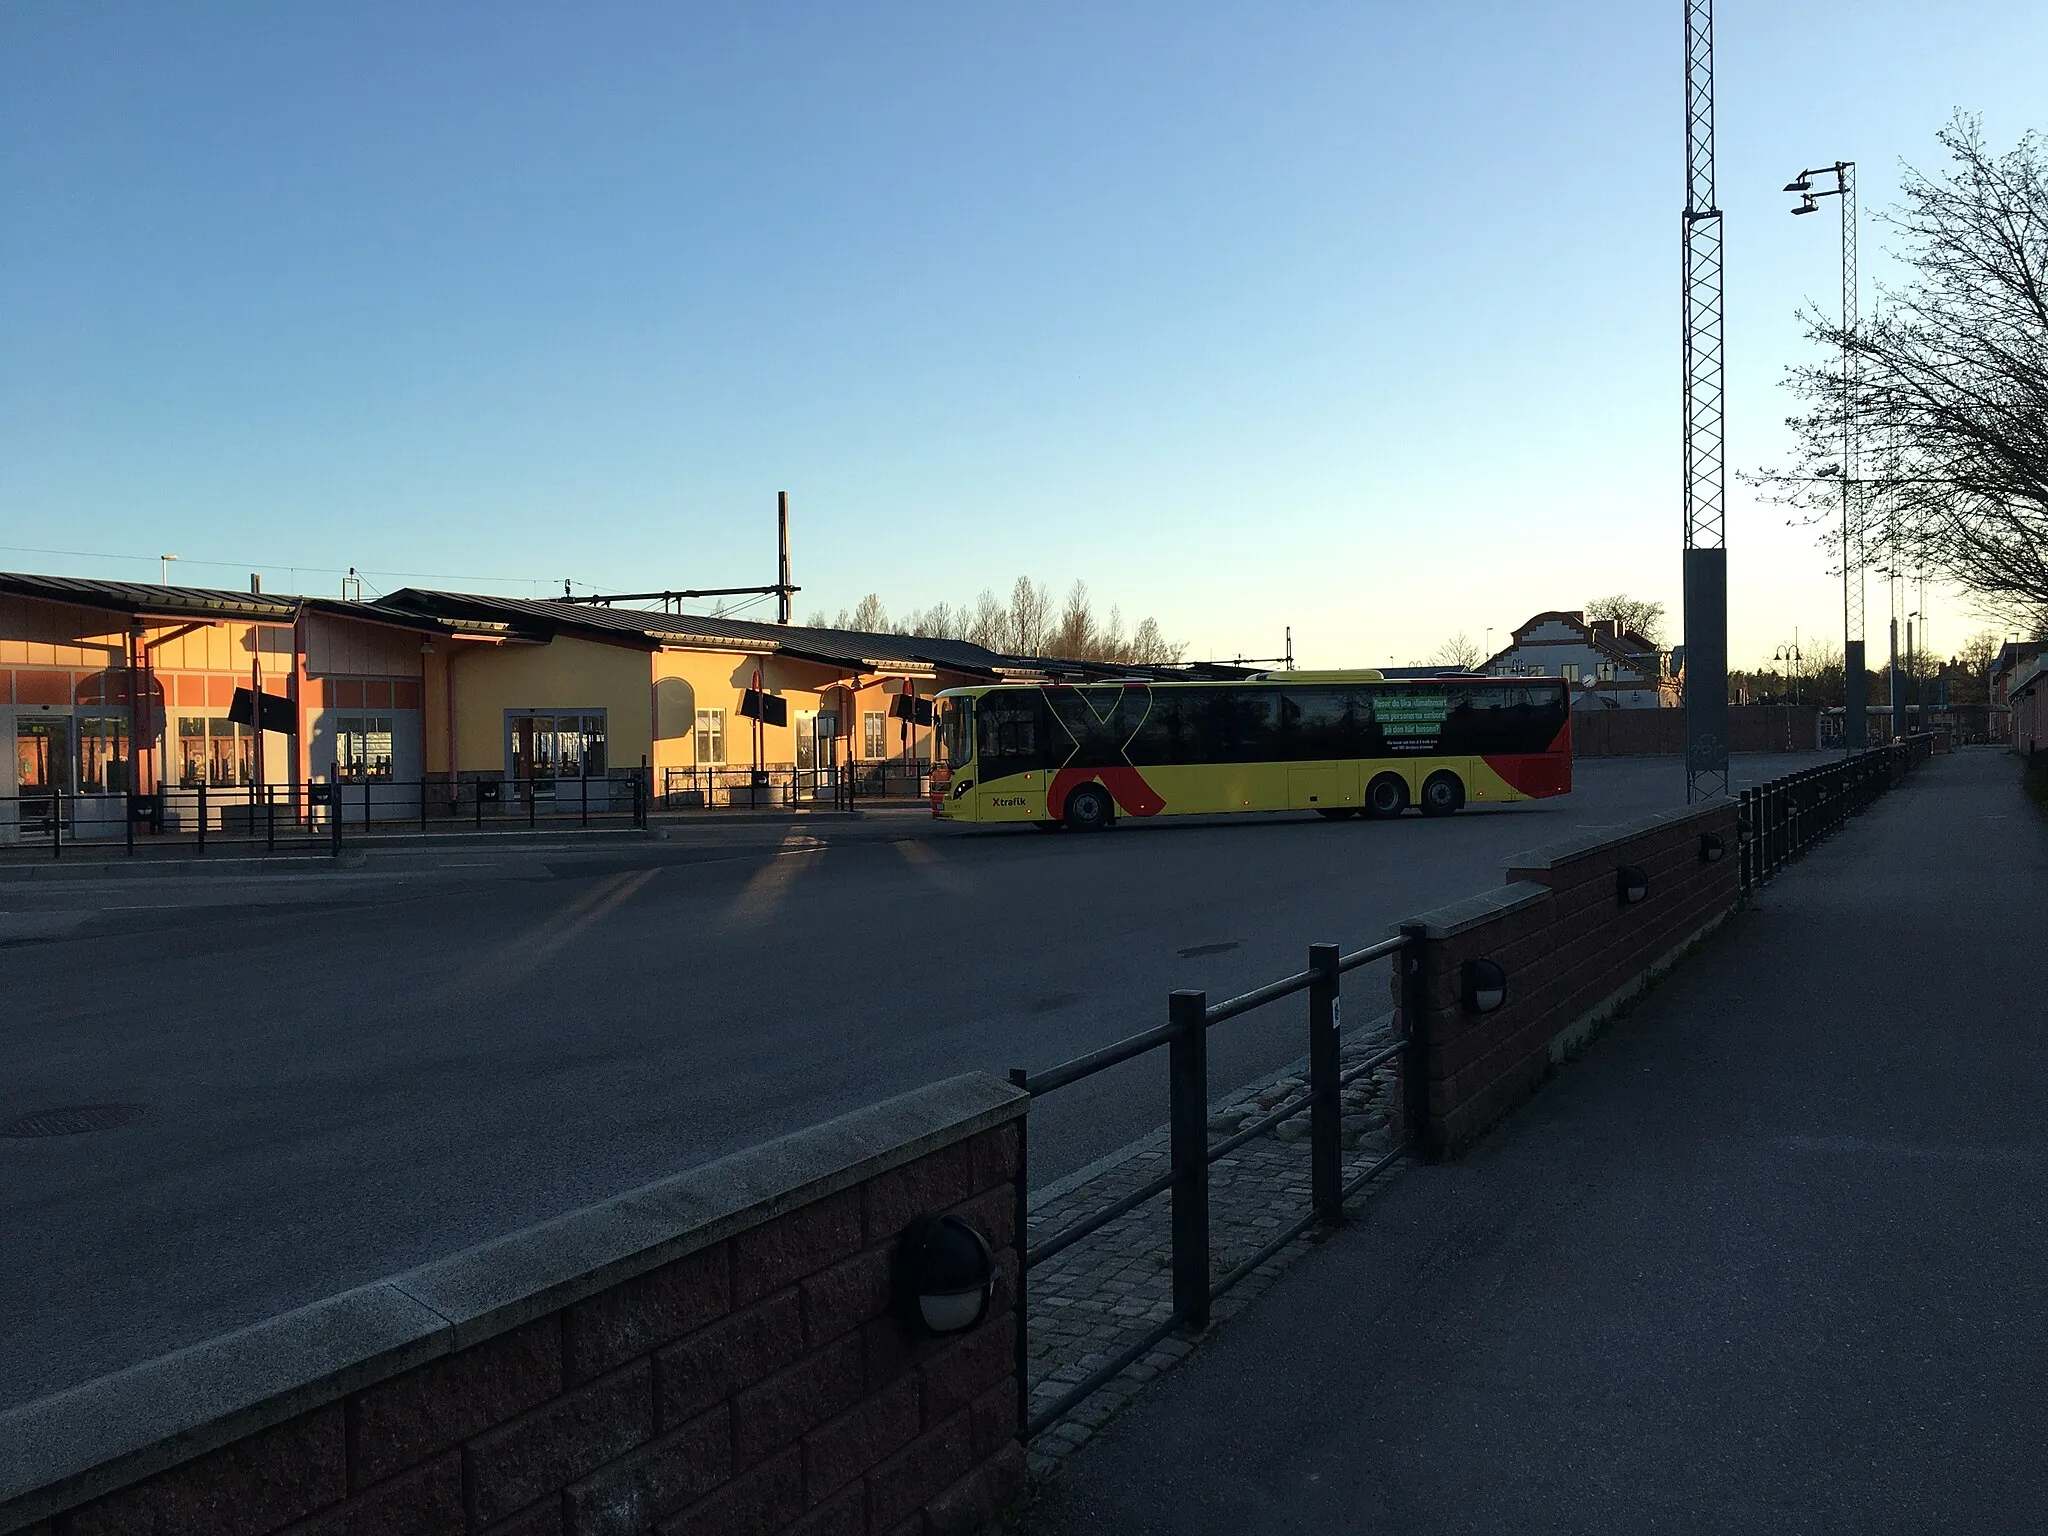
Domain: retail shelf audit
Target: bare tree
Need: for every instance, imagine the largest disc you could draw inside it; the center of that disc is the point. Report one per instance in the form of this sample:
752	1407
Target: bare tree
1948	392
1459	653
869	616
1025	626
990	626
1030	617
1150	647
1633	614
1074	634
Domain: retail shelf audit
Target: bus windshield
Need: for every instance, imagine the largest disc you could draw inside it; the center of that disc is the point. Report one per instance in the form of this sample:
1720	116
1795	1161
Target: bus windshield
956	732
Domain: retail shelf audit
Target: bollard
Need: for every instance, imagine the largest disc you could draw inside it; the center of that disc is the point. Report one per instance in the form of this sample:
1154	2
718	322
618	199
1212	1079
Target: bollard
1326	1105
202	815
1187	1083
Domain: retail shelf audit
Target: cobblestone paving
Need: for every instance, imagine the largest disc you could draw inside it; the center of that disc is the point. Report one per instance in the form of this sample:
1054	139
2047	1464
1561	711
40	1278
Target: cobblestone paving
1103	1293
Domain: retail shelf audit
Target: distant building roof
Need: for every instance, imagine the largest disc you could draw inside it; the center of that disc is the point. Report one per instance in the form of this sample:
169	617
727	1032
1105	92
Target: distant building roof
139	597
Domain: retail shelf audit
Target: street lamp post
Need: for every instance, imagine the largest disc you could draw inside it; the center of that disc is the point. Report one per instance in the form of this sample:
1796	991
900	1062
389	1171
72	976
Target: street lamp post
1790	653
1854	688
1913	668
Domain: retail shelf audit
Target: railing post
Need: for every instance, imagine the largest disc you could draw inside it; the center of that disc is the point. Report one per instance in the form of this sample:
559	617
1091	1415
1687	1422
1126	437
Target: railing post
128	811
1415	1034
56	824
1187	1080
1326	1105
1021	1223
1743	840
269	820
585	782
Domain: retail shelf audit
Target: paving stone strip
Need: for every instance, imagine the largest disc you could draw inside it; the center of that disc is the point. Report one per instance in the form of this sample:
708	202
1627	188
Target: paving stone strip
1094	1298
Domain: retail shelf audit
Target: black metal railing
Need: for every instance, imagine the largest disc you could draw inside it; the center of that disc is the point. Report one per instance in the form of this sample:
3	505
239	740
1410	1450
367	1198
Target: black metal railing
1780	820
1185	1038
785	784
319	816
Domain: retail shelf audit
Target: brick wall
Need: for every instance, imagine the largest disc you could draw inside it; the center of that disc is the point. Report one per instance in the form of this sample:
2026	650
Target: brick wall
1572	953
1640	732
755	1383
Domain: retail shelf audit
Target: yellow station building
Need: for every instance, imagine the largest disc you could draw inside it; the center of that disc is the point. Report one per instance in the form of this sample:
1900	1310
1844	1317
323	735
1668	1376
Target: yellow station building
109	686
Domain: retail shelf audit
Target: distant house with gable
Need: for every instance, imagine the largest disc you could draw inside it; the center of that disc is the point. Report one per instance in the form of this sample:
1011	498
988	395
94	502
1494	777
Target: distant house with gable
1610	667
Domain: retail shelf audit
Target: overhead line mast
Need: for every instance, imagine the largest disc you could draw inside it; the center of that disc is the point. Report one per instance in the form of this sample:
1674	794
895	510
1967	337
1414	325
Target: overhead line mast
1706	555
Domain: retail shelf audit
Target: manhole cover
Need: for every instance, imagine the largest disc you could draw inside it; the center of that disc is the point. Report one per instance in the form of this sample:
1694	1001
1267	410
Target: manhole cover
73	1121
1206	949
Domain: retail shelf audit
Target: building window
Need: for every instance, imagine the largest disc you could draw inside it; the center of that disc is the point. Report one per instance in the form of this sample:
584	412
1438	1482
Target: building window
546	747
874	734
710	737
1604	671
362	747
102	754
215	752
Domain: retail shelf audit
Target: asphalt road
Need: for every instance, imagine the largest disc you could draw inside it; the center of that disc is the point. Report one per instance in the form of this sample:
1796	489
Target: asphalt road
344	1074
1771	1257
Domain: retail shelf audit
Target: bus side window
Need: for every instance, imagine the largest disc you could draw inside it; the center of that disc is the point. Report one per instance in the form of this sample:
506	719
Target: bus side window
1165	735
1321	724
1244	725
1008	734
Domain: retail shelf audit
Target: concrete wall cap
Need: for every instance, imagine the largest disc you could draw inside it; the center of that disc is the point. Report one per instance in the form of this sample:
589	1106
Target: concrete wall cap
1601	839
1474	910
107	1434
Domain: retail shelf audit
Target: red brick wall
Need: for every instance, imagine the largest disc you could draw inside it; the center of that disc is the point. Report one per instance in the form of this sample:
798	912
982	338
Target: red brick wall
1640	732
756	1385
1569	948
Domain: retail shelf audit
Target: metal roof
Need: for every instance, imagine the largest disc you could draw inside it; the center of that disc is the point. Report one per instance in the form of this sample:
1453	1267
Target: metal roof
833	647
142	597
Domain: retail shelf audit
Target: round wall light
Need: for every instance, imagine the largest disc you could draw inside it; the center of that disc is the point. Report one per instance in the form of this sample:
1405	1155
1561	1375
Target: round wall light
1711	848
1484	986
1631	884
944	1275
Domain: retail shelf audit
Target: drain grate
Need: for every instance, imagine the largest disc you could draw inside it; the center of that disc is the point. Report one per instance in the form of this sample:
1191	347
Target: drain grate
74	1120
1206	949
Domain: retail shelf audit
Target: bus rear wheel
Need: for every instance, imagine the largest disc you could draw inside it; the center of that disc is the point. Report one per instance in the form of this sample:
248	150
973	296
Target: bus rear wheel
1386	796
1442	793
1088	808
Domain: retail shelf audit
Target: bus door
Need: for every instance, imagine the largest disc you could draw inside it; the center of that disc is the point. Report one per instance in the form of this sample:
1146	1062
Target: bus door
1009	757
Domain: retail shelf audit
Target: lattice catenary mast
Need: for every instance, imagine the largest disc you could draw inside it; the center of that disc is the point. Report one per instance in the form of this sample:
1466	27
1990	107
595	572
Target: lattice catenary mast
1706	500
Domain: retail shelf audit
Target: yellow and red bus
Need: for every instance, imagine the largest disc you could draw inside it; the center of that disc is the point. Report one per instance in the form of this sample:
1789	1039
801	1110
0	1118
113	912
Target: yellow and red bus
1340	743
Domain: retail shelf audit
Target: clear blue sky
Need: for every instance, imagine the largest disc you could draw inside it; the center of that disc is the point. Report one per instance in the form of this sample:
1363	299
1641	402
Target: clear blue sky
1357	317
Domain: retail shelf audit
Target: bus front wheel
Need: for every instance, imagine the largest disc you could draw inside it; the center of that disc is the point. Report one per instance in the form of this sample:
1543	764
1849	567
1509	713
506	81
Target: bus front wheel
1386	796
1088	808
1442	794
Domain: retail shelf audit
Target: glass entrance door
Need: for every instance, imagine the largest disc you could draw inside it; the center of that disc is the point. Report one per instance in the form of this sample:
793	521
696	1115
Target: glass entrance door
42	767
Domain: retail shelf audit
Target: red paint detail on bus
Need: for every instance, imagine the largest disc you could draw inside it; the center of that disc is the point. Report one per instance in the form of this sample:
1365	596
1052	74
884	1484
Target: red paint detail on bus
1127	786
1536	774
